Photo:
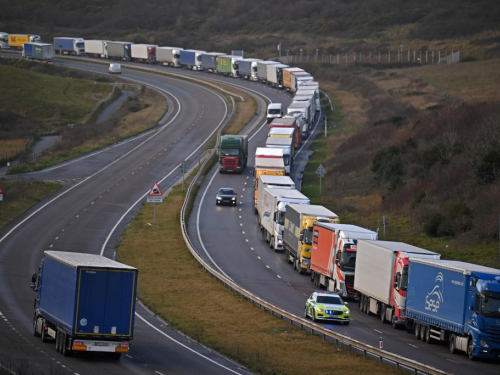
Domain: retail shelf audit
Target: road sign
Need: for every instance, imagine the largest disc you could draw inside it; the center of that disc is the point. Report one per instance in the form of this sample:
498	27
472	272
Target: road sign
321	171
155	195
1	194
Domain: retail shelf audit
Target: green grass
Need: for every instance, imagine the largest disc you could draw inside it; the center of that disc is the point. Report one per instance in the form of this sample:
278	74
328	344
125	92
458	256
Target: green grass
20	196
54	101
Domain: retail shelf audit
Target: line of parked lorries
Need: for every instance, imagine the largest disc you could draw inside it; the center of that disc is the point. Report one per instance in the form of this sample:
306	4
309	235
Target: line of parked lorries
437	300
273	73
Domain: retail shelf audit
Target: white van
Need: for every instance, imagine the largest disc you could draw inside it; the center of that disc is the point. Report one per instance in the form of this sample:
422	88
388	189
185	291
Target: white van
115	68
274	110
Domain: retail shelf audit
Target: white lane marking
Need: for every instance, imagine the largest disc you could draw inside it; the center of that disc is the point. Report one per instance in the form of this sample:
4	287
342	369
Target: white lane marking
413	346
257	132
268	267
164	178
241	224
246	240
251	248
158	372
279	277
376	330
259	257
186	347
451	360
57	238
129	356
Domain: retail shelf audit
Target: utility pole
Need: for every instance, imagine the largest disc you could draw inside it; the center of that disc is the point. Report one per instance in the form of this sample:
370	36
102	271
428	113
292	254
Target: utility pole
326	123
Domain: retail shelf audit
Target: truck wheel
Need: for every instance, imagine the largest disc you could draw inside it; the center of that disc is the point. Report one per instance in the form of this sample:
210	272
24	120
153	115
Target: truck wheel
58	342
427	337
271	243
423	330
393	320
470	349
312	276
44	335
287	256
416	330
382	312
64	343
451	344
360	302
367	305
35	332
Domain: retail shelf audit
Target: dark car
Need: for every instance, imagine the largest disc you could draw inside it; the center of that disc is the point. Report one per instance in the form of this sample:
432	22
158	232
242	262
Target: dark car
226	196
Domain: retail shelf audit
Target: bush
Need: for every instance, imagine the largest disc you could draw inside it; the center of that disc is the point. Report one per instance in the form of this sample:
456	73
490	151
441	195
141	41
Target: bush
388	165
489	168
431	228
417	199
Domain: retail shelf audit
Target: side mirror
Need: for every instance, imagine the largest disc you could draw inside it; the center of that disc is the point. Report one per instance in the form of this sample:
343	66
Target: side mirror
33	278
346	303
301	237
395	284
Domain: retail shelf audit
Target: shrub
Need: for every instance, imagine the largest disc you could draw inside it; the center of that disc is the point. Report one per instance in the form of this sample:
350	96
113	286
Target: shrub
431	227
489	168
417	199
388	166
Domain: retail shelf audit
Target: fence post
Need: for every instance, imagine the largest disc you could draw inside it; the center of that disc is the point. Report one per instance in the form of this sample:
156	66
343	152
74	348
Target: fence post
389	56
379	56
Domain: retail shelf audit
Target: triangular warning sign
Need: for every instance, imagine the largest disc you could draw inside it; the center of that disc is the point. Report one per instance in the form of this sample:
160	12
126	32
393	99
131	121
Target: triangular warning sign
1	191
155	191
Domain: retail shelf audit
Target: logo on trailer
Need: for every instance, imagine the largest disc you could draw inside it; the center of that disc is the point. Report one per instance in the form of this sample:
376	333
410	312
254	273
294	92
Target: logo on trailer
223	62
435	297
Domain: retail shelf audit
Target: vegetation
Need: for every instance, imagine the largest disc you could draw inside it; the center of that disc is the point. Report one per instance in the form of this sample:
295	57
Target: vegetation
21	195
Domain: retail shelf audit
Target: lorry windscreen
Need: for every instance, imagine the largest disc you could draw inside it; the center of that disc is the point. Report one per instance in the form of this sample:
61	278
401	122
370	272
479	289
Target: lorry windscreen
309	236
255	69
177	56
230	152
348	260
235	66
80	45
490	307
404	279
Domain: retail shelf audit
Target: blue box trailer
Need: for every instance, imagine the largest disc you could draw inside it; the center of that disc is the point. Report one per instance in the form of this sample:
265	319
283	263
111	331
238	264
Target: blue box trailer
85	302
191	59
455	302
209	61
28	51
69	46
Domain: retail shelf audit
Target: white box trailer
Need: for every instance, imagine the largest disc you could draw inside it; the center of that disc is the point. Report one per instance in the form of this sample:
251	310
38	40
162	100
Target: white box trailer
287	144
269	158
169	56
299	77
272	213
308	85
275	75
304	109
271	181
262	69
96	48
306	98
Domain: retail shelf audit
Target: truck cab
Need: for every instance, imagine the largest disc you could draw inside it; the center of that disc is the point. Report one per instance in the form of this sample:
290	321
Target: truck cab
233	153
4	40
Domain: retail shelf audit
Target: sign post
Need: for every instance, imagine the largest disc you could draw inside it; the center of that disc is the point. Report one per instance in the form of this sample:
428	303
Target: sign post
1	194
383	222
155	196
321	171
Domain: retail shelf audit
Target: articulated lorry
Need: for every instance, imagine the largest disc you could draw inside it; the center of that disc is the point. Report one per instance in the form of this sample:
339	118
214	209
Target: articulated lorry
457	303
275	75
233	153
333	256
169	56
286	123
381	277
287	144
262	69
308	96
248	69
69	46
287	76
298	232
143	53
96	48
17	41
272	203
209	61
268	161
272	182
119	50
228	65
84	303
308	85
305	111
38	51
297	78
191	59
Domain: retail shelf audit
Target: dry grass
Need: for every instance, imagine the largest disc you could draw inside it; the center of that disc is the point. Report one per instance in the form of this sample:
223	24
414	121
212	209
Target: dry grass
479	80
243	114
11	147
171	279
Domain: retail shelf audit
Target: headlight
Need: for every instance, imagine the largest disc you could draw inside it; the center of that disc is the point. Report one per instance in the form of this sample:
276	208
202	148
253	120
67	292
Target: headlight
219	198
483	343
305	261
320	309
233	199
280	241
347	312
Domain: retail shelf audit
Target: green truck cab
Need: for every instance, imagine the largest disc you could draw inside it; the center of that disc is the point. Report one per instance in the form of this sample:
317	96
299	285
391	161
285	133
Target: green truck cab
233	153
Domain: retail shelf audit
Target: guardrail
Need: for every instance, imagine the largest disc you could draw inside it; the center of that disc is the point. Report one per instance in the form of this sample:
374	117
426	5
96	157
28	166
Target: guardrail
353	345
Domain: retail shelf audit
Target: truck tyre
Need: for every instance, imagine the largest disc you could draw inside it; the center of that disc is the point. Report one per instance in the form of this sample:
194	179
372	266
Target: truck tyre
470	349
416	330
271	244
35	331
382	312
451	344
360	302
64	346
44	334
393	320
423	330
427	337
58	341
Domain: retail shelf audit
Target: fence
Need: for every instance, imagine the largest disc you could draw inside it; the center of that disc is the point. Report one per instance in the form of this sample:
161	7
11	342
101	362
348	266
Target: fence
381	57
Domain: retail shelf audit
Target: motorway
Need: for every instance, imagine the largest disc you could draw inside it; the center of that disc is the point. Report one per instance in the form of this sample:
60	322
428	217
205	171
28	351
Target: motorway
244	257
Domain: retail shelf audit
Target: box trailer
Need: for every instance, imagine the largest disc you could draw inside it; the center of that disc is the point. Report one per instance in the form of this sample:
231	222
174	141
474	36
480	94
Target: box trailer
228	65
333	256
262	69
272	203
169	56
271	181
144	53
298	232
304	97
209	61
309	85
275	75
38	51
381	277
299	76
119	50
191	59
287	76
305	111
457	303
248	69
96	48
288	123
16	41
85	302
69	46
287	144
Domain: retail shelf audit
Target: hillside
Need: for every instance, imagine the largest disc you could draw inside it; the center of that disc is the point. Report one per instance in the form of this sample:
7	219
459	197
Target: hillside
331	26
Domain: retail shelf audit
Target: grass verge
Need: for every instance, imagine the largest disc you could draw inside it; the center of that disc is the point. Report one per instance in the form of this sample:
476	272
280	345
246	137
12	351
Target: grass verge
20	196
170	279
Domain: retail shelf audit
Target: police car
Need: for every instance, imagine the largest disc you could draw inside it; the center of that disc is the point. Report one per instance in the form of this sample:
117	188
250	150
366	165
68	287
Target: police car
323	305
